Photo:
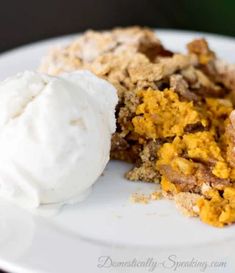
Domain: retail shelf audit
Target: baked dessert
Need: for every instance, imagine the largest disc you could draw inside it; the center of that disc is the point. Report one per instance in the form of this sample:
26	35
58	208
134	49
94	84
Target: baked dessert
175	117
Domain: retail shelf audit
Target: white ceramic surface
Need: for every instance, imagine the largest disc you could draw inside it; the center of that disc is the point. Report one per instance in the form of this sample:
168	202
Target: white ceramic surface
107	224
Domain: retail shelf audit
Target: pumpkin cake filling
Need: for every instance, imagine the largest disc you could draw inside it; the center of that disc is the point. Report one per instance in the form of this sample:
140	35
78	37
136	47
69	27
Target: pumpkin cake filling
175	117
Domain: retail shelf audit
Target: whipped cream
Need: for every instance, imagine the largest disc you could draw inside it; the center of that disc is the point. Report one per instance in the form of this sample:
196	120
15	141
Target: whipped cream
55	135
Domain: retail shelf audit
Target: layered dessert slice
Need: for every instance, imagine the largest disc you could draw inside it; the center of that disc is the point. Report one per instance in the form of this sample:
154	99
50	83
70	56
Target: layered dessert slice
175	118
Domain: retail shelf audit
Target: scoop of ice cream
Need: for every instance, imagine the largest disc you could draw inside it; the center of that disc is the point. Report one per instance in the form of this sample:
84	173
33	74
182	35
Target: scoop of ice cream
55	135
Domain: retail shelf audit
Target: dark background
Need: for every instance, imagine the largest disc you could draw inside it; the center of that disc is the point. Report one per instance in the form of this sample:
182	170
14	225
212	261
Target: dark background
24	21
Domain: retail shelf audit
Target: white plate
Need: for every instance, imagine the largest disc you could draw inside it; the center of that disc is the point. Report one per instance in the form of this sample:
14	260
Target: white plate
82	236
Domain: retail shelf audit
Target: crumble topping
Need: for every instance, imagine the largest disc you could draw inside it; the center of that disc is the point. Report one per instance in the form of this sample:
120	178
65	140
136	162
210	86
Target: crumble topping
187	203
175	117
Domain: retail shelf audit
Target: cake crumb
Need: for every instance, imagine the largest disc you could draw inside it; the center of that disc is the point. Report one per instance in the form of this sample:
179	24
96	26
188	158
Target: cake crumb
146	198
139	198
156	195
186	203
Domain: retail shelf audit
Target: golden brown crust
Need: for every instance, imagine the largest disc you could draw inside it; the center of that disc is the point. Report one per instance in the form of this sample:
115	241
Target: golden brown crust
93	44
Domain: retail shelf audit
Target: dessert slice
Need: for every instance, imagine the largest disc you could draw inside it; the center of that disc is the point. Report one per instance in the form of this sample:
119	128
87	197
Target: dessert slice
175	118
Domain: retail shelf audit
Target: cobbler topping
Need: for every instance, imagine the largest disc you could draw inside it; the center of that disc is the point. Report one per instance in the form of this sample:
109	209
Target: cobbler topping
175	118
